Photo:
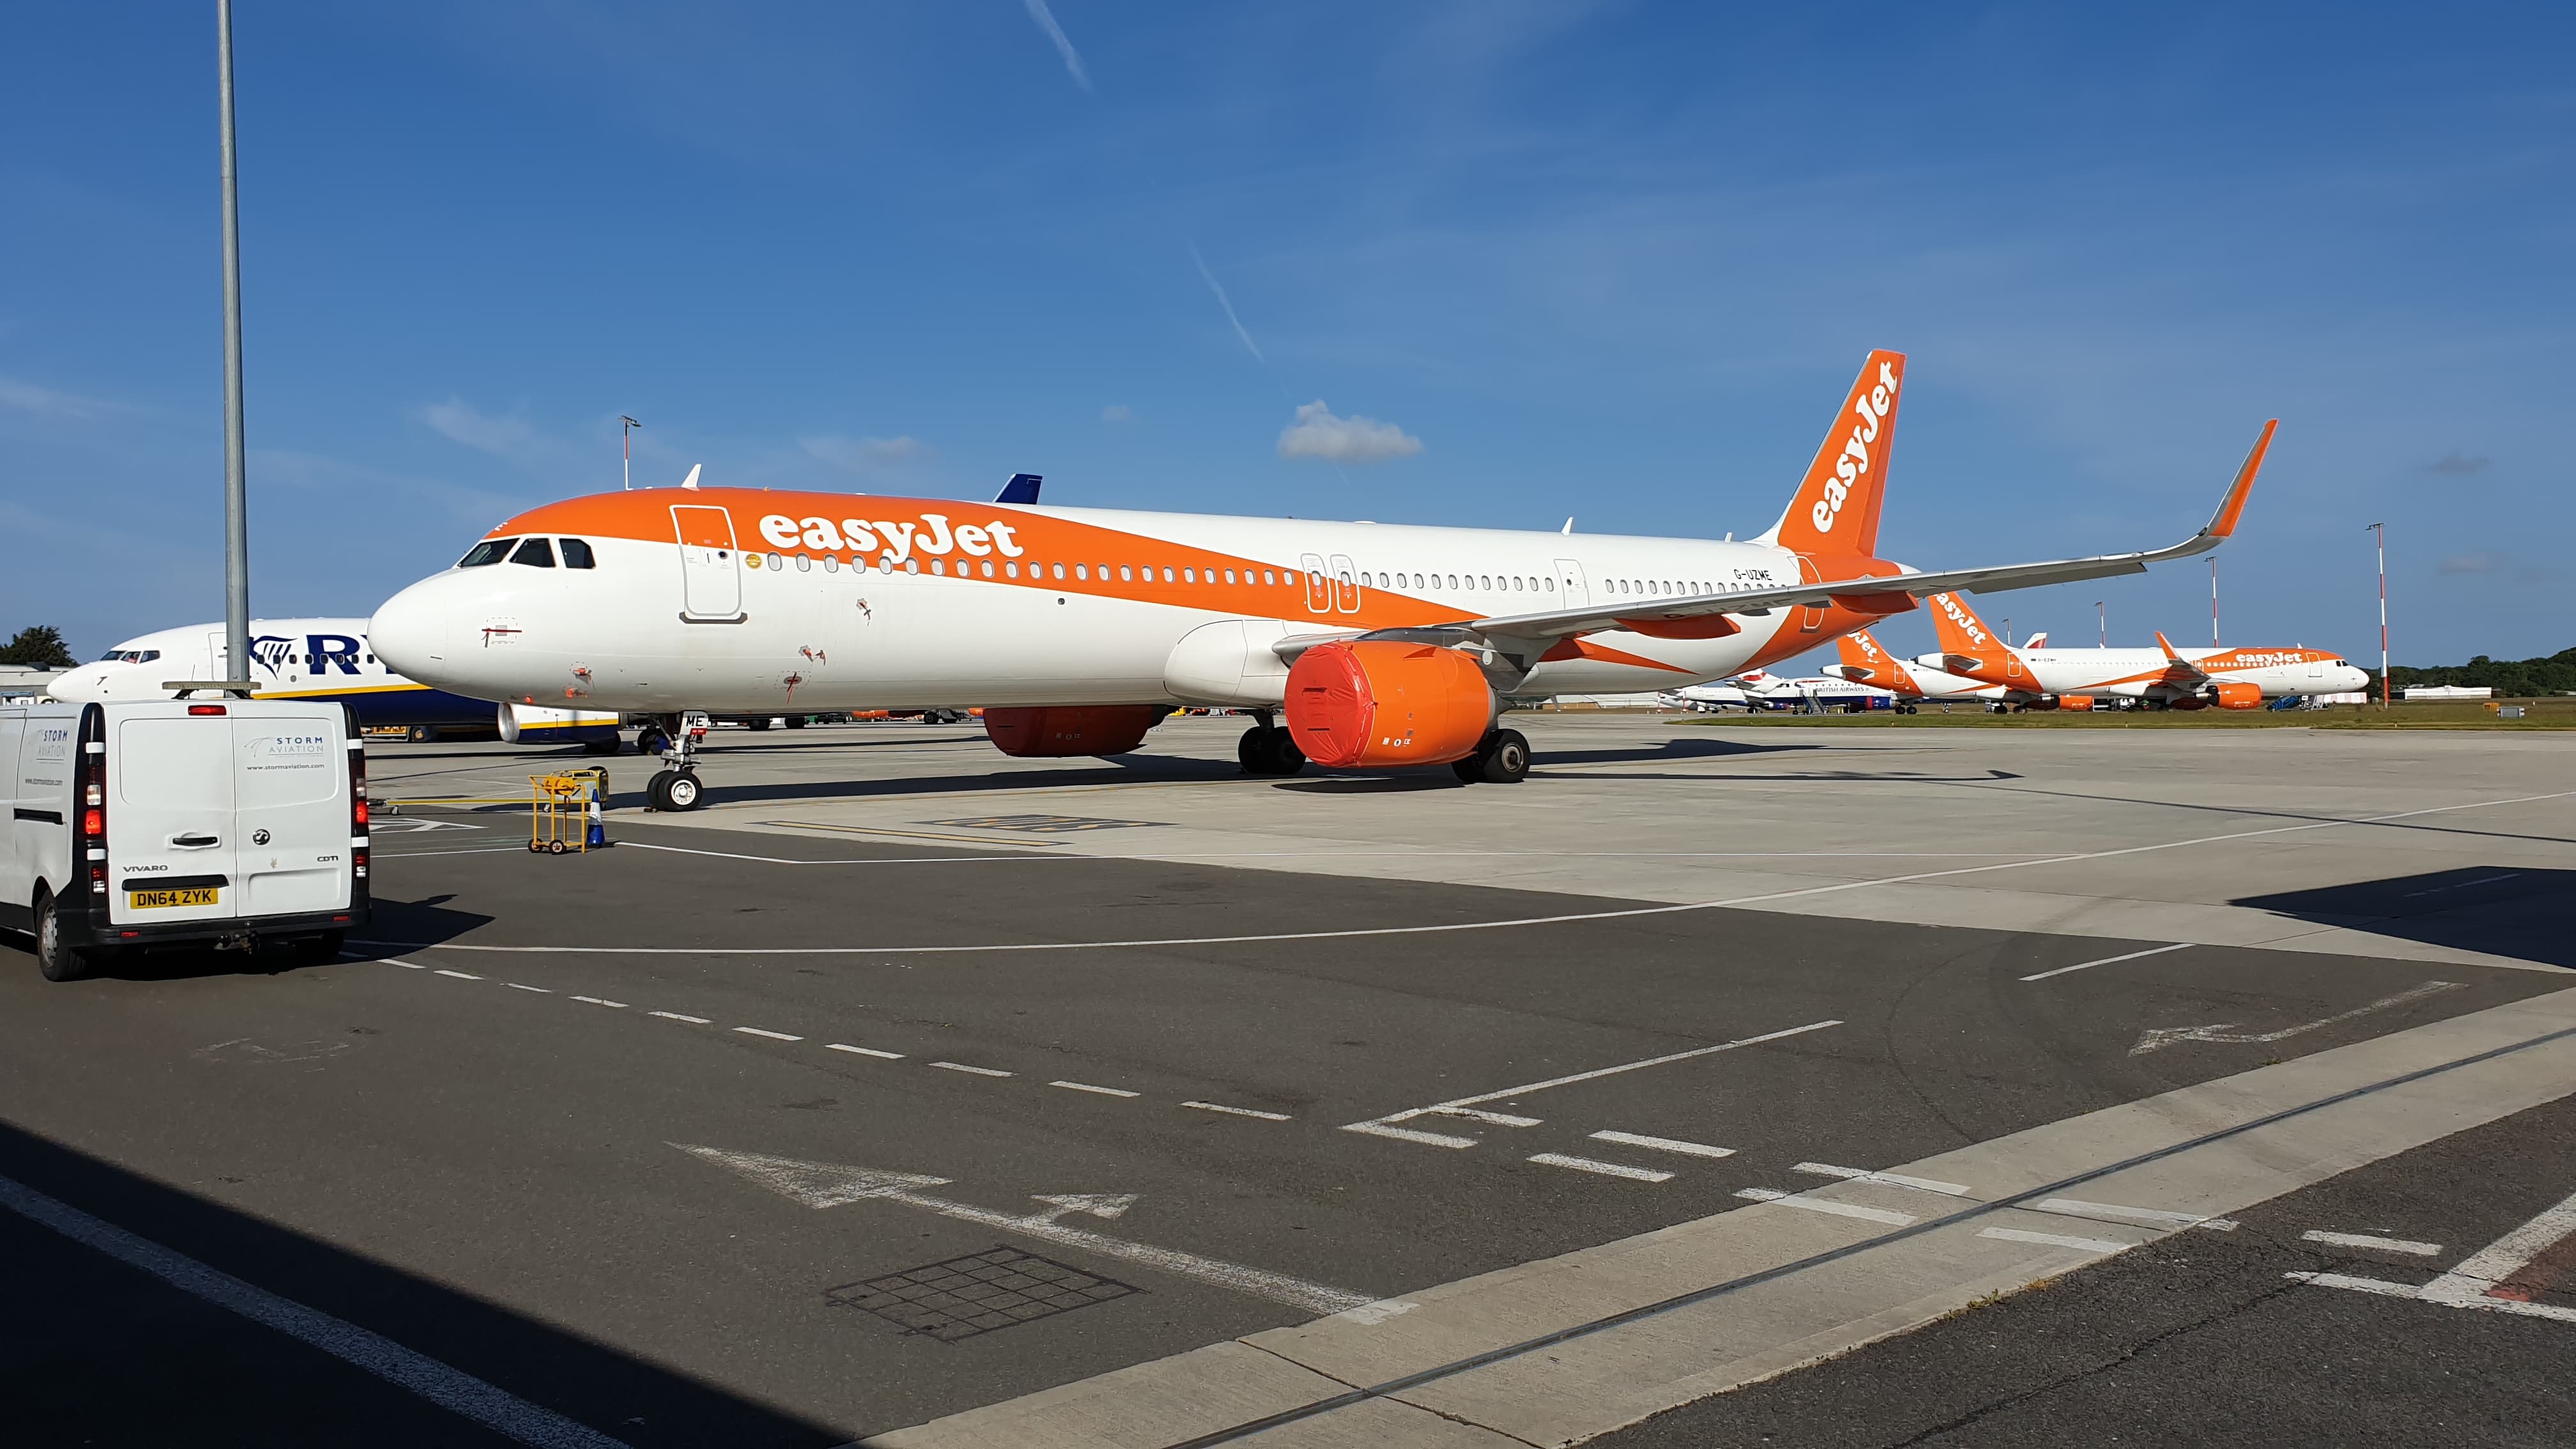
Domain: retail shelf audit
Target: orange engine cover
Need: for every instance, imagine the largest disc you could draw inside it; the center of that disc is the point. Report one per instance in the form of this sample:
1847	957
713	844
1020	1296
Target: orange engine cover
1064	729
2237	694
1375	703
2075	701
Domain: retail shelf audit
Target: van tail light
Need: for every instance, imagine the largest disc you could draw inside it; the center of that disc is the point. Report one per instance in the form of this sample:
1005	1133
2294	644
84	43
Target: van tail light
360	857
91	776
358	813
357	800
205	709
94	822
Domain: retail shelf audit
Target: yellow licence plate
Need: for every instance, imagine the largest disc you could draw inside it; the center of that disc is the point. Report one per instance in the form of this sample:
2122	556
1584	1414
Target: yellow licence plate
195	896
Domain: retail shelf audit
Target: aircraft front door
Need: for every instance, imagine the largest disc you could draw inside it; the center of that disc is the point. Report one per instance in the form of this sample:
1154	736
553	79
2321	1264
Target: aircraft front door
710	565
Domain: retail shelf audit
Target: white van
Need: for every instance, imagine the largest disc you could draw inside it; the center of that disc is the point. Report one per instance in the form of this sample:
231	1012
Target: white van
233	821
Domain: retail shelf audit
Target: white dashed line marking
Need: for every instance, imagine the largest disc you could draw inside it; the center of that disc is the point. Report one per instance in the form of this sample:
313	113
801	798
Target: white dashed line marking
860	1051
1819	1205
762	1031
977	1071
1087	1087
2153	1217
2366	1240
2055	1240
1664	1144
459	975
675	1016
1496	1119
2107	961
1407	1134
540	990
600	1001
1239	1111
1605	1169
1887	1179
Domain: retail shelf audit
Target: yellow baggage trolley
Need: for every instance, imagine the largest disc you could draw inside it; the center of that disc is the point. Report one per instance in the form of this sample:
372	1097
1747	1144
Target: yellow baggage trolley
564	811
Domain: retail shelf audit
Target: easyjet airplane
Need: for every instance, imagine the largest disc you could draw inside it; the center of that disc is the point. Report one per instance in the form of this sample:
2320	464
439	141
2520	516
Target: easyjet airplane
1864	662
1077	629
2164	675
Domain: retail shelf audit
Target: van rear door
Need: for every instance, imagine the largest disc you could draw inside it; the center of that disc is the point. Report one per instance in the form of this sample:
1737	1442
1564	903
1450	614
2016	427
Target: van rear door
291	808
170	839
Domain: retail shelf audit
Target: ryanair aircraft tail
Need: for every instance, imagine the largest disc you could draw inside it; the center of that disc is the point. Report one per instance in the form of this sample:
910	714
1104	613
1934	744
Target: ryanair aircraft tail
1835	512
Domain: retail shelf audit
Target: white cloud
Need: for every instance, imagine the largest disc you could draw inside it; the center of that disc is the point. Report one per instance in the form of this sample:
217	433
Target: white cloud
863	455
47	402
1045	18
461	422
1116	413
1319	434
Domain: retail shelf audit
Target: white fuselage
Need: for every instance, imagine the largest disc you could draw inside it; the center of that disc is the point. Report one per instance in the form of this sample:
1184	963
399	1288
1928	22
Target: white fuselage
2143	673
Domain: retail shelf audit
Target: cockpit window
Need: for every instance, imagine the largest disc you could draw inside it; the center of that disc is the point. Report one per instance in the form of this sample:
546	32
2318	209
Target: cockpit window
129	656
535	553
489	551
576	554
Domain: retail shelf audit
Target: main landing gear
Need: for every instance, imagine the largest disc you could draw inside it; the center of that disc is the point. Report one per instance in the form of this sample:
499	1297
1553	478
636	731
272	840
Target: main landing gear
1502	759
675	788
1266	749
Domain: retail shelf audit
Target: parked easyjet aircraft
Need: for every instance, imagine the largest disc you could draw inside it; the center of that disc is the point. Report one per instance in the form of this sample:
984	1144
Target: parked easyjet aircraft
1078	628
320	659
1864	662
2178	678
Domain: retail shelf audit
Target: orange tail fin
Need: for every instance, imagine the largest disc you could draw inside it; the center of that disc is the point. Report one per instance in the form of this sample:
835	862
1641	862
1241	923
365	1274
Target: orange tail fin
1836	507
1864	662
1959	629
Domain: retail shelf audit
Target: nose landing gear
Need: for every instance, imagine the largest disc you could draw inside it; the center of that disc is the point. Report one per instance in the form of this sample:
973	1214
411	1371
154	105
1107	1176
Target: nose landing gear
676	788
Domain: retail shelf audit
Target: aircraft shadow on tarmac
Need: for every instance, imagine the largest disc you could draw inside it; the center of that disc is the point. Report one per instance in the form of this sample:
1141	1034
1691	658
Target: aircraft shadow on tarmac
101	1353
2503	910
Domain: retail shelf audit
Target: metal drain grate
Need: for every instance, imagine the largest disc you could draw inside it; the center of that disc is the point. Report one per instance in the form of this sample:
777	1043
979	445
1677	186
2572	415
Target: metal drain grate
1041	823
967	1296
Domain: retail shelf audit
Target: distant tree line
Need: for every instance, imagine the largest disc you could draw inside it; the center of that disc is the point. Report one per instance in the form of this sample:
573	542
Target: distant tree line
2509	678
38	646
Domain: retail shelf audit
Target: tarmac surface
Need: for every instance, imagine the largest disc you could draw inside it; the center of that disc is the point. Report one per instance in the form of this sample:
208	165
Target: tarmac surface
908	1082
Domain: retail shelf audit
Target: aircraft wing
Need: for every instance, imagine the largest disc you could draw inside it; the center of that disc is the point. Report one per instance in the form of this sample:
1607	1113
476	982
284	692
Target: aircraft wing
2179	670
1879	594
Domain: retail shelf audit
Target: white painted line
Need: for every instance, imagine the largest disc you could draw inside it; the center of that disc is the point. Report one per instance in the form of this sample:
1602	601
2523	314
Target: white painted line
2152	1217
842	1046
1382	1126
1445	927
772	1035
540	990
1819	1205
2368	1240
411	965
675	1016
976	1071
1407	1134
1664	1144
1890	1179
1495	1119
1087	1087
2424	1294
2056	1240
1239	1111
1606	1169
2159	1037
2108	961
2506	1256
600	1001
449	1388
459	975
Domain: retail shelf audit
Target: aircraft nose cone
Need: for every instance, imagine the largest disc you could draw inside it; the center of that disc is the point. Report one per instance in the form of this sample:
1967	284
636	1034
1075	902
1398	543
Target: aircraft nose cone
80	686
413	633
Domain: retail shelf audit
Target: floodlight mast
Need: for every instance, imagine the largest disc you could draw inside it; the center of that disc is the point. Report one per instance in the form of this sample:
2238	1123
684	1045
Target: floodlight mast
626	433
236	500
2380	531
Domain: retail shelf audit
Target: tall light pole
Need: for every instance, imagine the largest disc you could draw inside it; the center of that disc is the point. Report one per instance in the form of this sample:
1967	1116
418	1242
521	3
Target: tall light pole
626	433
2104	621
2213	603
2381	531
236	497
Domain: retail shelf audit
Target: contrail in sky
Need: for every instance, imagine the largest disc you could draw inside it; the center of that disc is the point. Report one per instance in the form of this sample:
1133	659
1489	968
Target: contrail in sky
1045	18
1210	278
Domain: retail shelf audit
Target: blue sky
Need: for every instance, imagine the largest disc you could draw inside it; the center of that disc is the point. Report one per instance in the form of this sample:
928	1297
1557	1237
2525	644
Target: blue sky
1611	260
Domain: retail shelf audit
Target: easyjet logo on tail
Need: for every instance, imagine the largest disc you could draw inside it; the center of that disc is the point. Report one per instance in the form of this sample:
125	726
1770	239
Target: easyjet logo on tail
1854	460
1958	615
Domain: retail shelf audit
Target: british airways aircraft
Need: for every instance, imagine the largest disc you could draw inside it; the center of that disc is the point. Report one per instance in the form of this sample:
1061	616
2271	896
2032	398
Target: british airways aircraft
328	659
1077	629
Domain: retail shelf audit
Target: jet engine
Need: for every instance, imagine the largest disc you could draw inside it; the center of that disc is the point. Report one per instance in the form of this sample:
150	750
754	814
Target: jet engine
1056	730
2075	701
2236	694
1372	704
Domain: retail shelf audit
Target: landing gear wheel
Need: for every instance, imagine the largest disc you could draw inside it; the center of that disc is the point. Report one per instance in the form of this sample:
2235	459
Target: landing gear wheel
656	792
1268	750
682	791
650	742
1470	770
1504	759
796	721
420	734
59	960
760	722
